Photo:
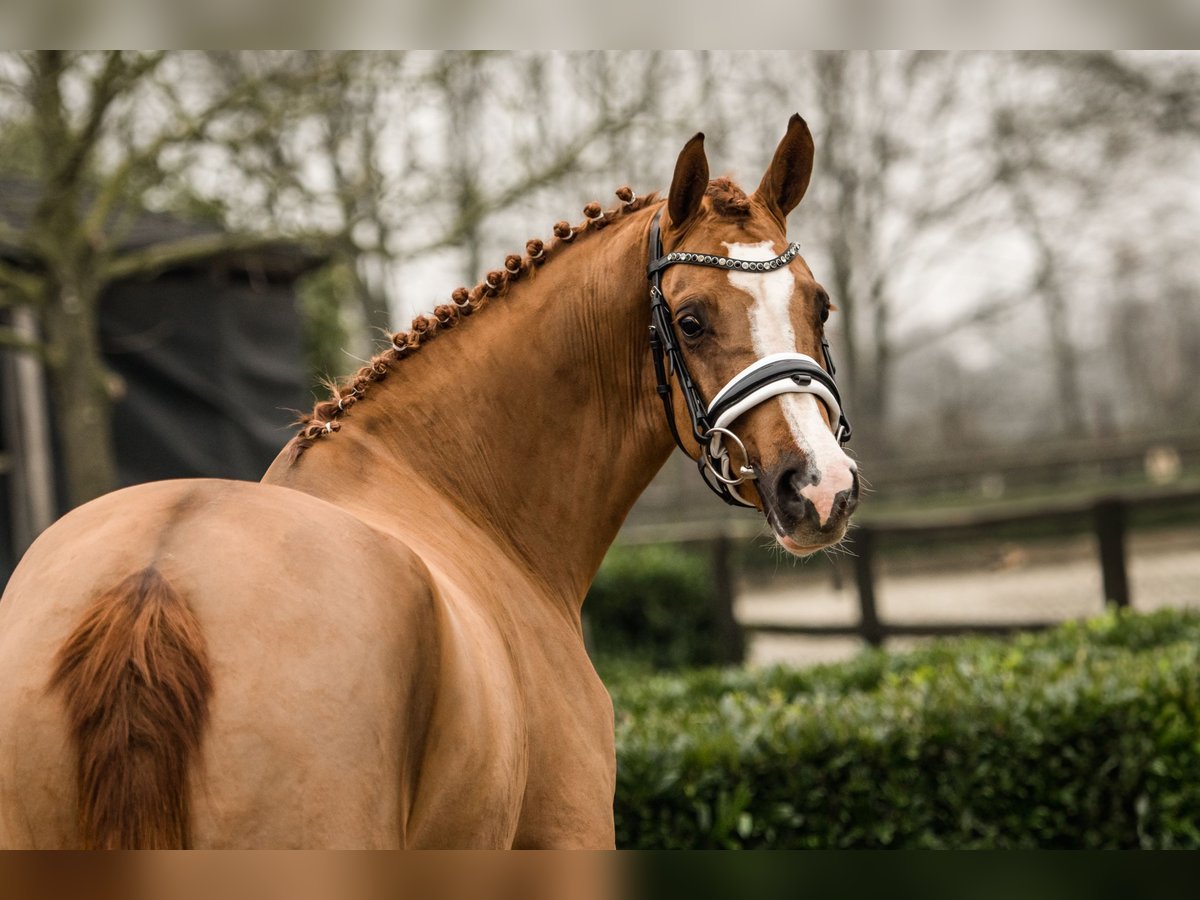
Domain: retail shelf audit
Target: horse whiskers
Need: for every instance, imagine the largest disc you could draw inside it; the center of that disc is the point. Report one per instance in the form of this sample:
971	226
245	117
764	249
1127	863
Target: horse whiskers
463	303
841	548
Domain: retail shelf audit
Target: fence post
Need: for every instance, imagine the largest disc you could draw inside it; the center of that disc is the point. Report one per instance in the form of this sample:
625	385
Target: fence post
862	548
731	640
1110	541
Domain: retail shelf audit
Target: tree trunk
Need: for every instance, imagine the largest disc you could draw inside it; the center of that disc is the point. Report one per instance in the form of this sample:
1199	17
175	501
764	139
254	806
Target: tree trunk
1062	352
27	428
79	385
862	351
377	316
69	313
878	403
1049	289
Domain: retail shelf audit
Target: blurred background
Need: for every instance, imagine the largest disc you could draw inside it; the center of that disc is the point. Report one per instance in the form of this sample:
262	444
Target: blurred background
189	242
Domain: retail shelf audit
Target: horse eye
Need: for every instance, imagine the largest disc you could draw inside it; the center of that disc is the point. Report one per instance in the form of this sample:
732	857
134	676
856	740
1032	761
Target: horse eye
825	305
691	326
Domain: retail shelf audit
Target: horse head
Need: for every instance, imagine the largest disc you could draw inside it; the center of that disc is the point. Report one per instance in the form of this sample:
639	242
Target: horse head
739	320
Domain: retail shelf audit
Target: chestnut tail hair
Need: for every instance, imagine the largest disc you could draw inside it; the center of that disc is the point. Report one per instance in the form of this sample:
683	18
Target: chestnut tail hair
135	678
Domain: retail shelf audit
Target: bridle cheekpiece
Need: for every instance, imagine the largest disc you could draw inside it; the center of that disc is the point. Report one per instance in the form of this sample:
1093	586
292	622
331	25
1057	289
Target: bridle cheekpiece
779	373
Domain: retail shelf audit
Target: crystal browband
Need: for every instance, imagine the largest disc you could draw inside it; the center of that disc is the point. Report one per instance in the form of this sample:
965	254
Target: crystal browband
725	262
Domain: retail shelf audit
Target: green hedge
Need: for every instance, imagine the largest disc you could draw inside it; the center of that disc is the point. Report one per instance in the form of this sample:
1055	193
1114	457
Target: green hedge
1085	736
653	604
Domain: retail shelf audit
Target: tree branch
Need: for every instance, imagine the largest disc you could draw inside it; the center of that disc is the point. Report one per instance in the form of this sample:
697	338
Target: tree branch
562	164
10	339
15	279
150	261
12	236
1170	102
117	77
104	90
985	314
191	127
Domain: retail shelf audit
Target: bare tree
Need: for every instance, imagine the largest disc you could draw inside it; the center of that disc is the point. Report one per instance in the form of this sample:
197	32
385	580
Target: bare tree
406	157
899	177
97	153
381	158
1082	143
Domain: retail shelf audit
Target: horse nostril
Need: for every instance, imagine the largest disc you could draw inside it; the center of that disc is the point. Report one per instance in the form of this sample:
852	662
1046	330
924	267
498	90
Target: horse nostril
793	480
847	501
804	496
792	506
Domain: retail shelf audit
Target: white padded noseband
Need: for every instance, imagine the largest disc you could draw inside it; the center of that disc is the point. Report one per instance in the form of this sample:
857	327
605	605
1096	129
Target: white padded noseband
771	376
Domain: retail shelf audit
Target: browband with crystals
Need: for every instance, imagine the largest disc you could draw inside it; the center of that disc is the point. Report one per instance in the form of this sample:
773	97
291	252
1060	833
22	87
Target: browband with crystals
725	262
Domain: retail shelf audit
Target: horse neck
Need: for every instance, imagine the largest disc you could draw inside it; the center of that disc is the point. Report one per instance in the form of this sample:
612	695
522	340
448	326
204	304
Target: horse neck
535	419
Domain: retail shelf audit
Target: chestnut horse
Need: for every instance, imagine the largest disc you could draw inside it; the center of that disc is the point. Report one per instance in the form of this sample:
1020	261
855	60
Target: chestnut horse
379	645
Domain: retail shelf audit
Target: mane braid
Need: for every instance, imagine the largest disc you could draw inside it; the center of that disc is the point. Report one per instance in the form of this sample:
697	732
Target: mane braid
344	393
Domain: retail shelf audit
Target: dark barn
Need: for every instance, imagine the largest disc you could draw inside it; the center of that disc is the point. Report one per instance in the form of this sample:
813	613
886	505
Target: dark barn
210	363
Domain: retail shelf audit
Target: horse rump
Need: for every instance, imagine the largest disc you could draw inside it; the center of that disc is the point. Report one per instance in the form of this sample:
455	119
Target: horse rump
135	679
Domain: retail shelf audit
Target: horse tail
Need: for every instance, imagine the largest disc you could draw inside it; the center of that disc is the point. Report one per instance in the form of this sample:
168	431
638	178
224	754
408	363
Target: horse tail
136	681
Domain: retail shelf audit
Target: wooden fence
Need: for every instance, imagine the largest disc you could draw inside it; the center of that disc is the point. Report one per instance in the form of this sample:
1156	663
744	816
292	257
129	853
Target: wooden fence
1050	465
1107	518
676	494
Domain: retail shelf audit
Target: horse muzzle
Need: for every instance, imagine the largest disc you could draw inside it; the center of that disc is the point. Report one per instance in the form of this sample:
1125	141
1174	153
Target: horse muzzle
807	509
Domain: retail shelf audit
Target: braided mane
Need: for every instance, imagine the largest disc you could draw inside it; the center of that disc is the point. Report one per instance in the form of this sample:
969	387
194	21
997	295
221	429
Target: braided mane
345	392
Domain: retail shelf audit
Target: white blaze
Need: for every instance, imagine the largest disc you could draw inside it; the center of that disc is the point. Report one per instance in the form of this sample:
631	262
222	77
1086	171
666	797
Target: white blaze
771	332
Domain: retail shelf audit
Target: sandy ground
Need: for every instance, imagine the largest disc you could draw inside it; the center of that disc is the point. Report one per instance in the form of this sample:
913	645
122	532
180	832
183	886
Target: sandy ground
1164	570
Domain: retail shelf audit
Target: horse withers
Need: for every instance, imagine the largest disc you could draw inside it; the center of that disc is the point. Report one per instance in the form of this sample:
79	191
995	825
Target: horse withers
379	645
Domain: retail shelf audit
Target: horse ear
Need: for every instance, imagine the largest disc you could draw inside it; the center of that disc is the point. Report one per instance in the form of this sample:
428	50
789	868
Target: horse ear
783	186
690	182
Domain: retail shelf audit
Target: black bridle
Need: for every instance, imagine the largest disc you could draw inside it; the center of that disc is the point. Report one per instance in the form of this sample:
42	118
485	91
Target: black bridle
777	374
